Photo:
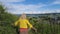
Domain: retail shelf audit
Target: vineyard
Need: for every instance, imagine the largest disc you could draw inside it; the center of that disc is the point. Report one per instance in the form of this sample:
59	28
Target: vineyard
46	24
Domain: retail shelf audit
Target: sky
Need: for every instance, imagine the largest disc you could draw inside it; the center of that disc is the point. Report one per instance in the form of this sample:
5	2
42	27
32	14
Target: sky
32	6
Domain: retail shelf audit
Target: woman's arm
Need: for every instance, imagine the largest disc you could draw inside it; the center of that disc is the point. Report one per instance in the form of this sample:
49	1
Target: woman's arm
31	27
16	23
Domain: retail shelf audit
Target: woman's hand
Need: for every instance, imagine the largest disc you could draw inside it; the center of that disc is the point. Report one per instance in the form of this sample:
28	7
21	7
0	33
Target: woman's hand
12	25
34	29
29	29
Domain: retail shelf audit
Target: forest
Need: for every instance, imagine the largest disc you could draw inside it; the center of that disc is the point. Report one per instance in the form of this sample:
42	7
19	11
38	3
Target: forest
46	24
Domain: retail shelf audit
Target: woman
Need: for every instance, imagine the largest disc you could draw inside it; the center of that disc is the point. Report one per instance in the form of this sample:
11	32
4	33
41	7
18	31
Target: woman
23	24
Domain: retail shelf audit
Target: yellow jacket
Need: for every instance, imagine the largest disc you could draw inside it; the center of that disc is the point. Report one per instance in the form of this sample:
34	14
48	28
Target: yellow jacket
23	23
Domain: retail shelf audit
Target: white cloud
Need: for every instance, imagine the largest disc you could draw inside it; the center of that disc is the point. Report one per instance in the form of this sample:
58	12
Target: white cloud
18	9
29	9
56	2
51	11
21	8
12	0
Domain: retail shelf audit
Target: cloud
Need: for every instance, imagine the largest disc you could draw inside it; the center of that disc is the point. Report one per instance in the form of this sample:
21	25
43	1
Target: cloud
24	8
12	0
29	9
20	7
56	2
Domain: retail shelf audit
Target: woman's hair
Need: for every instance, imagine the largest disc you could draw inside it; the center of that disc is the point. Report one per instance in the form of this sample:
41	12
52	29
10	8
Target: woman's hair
23	16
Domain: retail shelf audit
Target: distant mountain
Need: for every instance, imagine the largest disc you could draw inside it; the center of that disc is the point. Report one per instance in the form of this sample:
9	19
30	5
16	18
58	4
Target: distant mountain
35	15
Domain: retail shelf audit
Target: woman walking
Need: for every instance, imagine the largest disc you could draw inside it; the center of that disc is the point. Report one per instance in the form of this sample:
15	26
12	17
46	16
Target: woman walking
23	24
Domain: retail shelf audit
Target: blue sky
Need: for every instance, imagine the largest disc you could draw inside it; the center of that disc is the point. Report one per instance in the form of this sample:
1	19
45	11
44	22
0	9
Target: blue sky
32	6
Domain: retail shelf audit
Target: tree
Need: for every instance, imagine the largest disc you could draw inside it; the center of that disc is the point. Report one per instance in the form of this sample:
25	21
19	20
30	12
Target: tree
5	21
